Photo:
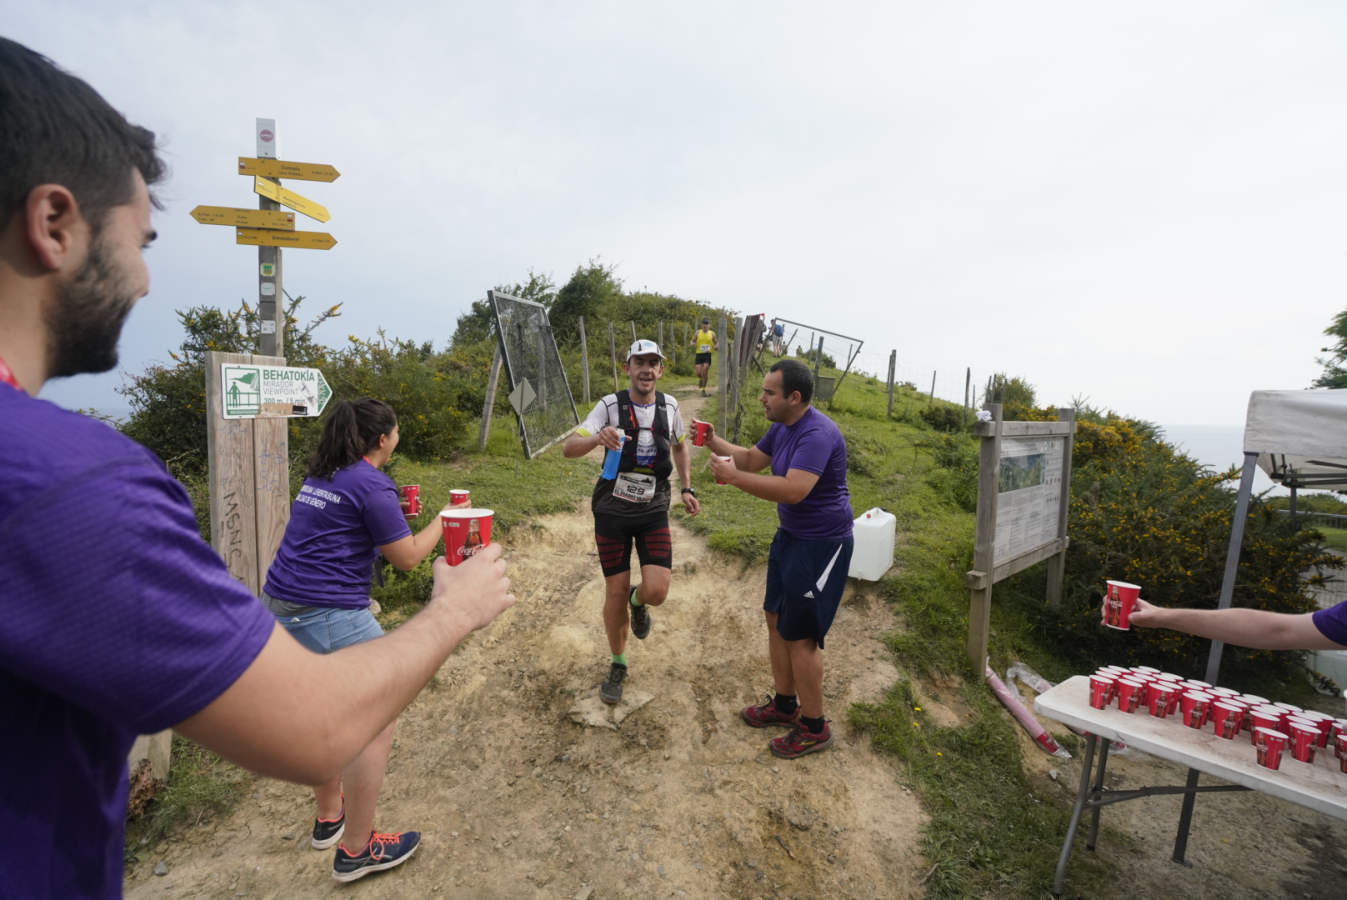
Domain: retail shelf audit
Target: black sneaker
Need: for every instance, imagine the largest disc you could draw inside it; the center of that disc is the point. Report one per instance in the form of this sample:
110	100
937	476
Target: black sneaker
327	832
384	851
640	616
610	691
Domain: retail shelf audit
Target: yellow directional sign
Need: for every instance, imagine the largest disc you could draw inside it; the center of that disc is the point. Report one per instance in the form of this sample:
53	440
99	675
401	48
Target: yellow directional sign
273	191
300	240
245	218
280	168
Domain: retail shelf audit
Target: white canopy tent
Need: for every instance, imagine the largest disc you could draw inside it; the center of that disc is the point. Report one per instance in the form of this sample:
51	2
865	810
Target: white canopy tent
1299	438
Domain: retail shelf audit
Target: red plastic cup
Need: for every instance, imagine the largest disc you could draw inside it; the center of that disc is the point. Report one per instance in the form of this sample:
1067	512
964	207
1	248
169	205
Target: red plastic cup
1130	692
1159	697
1120	597
466	531
718	481
1254	699
1242	720
1269	744
1323	722
1226	718
1304	739
700	431
1101	690
1340	750
1194	706
459	497
1223	692
412	494
1264	718
1147	670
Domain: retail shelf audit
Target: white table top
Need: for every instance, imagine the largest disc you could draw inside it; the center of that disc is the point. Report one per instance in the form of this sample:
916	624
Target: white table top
1320	785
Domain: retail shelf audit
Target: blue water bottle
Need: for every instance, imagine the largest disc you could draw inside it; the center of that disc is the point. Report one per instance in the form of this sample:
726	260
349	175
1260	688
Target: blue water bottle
611	459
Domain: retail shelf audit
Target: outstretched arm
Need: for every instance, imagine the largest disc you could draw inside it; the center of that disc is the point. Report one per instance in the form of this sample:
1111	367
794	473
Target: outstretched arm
1255	628
303	716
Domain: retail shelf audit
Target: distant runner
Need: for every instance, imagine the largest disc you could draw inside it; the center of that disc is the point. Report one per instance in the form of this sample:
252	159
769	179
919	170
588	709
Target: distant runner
704	342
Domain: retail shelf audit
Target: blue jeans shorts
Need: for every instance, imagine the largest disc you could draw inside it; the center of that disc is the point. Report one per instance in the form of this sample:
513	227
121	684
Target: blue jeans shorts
323	629
805	580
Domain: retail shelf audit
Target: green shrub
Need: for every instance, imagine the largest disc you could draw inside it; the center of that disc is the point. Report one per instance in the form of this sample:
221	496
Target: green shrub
945	418
1146	514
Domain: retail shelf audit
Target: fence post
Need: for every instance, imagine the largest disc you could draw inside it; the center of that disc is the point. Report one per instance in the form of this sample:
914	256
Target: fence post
893	363
612	351
722	376
489	405
932	397
818	357
584	360
632	323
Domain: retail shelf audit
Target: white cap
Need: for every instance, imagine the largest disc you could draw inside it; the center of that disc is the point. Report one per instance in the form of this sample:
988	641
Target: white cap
644	348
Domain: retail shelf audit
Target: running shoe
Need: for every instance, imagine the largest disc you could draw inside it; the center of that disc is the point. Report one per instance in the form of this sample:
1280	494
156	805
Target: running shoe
800	741
384	851
610	691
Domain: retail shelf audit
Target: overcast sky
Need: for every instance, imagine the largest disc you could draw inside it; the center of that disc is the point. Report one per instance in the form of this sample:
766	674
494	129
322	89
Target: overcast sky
1140	205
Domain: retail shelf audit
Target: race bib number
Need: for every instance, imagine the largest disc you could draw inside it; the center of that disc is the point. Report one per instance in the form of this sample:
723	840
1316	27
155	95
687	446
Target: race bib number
634	487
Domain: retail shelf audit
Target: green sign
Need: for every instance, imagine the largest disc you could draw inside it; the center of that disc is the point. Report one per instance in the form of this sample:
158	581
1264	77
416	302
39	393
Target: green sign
272	392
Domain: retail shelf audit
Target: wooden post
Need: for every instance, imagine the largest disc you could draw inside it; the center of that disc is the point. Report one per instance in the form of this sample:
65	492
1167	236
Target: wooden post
584	360
270	308
932	397
722	376
893	364
1057	564
818	356
632	322
659	339
980	579
612	351
489	405
249	474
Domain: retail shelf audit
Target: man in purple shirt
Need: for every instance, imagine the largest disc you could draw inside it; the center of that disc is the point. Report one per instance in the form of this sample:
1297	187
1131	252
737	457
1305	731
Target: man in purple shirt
118	619
1323	629
811	553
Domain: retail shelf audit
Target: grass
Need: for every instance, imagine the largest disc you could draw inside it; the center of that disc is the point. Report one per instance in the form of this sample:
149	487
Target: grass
200	785
1334	538
993	830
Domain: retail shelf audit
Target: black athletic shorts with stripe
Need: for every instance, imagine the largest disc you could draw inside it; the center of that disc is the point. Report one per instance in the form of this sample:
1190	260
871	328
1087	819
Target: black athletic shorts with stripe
805	580
615	535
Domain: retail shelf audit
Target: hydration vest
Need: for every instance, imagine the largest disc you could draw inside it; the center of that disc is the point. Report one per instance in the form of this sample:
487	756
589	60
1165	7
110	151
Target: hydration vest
662	465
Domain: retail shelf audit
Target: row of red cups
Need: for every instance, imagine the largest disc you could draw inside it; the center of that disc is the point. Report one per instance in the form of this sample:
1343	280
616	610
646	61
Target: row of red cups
1229	711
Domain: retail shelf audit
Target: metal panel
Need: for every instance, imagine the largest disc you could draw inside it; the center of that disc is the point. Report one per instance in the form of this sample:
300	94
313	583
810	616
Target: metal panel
538	387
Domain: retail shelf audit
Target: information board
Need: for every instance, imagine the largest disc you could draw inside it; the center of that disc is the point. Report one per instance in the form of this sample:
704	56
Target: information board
1029	495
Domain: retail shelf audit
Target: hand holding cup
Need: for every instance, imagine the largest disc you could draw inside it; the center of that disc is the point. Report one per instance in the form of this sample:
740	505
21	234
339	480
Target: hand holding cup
723	468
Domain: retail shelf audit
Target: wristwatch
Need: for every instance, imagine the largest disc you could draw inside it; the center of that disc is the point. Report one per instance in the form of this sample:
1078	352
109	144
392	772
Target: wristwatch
688	491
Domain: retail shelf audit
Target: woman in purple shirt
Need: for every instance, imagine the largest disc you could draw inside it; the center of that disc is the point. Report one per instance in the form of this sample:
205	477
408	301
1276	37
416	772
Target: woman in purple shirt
346	514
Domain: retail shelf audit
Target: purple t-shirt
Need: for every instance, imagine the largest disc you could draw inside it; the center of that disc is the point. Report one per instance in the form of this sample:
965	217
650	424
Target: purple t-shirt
1332	623
337	526
118	620
812	444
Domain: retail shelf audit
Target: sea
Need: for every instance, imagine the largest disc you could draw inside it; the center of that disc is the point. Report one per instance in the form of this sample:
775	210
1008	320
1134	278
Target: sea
1220	446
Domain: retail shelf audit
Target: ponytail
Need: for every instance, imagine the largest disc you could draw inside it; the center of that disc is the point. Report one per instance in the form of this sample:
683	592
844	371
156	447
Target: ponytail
352	429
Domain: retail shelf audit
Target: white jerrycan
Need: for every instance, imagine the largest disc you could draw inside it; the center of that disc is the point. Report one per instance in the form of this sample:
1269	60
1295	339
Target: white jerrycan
873	533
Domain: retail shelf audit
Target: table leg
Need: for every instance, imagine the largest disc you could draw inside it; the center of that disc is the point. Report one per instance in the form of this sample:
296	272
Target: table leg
1098	787
1060	876
1185	818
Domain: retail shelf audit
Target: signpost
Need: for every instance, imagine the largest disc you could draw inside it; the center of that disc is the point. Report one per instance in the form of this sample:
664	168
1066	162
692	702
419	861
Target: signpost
244	218
303	240
271	392
280	168
298	202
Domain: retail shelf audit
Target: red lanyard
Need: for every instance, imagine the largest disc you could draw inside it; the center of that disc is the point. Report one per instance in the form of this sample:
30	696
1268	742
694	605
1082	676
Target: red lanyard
7	375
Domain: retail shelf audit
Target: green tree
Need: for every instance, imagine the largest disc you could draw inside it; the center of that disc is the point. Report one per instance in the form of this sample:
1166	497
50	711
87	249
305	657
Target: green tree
1335	365
478	323
591	290
168	403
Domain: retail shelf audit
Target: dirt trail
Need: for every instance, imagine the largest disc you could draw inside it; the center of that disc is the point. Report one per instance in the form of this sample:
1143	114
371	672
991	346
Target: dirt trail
515	799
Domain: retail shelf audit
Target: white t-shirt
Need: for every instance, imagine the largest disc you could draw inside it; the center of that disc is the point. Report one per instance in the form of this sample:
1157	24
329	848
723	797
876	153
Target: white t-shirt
605	413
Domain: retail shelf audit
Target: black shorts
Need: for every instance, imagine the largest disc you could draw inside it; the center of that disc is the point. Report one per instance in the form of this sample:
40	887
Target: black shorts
805	580
703	359
615	535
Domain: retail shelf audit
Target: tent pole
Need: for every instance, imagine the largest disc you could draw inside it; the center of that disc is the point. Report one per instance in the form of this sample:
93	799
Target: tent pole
1214	656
